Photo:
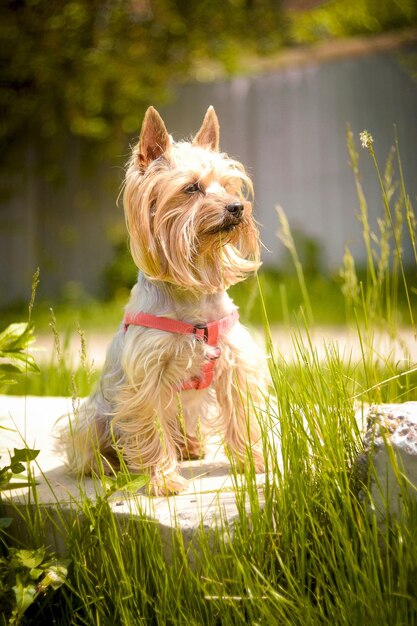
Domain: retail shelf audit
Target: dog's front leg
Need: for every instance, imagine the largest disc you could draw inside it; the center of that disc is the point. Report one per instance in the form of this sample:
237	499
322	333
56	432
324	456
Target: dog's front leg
148	435
146	426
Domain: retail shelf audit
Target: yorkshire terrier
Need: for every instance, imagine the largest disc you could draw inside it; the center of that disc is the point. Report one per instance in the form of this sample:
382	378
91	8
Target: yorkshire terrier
180	364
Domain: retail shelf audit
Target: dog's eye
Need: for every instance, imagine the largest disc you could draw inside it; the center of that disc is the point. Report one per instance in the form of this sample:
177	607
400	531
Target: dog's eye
193	188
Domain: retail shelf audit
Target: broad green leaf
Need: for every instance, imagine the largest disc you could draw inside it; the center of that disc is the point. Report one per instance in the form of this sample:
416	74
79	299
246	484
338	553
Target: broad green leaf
17	468
25	595
5	477
6	381
137	483
10	367
24	455
5	522
18	362
35	573
30	558
130	483
16	337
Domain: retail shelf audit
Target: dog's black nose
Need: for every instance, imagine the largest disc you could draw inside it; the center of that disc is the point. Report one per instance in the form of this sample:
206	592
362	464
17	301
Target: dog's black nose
235	209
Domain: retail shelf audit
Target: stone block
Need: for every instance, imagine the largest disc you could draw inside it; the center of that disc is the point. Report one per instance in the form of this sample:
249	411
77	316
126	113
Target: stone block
388	464
209	502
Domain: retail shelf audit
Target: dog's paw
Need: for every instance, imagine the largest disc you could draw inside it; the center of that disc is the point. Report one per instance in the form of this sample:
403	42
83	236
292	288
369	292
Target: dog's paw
167	484
193	450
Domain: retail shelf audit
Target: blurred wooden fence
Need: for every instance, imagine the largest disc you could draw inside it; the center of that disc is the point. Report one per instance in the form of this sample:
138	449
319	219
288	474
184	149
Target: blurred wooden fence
287	126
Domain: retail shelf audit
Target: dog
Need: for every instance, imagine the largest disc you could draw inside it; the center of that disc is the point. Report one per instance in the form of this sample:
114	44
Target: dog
180	365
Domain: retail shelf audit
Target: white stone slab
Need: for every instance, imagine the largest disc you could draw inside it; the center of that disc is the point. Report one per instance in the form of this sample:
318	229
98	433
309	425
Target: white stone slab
30	421
390	440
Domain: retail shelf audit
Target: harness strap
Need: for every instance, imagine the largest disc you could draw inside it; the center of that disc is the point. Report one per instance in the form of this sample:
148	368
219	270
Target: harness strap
208	333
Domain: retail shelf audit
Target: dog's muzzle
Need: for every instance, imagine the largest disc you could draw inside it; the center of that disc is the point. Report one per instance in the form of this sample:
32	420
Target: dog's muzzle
233	216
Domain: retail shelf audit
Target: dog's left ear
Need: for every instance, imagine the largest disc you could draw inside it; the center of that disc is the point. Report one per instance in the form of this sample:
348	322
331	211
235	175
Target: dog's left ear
154	140
209	133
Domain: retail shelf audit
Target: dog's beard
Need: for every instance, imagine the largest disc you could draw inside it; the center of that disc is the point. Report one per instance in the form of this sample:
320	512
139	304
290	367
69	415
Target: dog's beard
191	240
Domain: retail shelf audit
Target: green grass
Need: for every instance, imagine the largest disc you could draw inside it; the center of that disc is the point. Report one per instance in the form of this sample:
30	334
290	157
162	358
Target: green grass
311	551
280	295
90	314
311	554
54	380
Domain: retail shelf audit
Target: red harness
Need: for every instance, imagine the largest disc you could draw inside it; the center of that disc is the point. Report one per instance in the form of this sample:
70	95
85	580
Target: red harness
208	333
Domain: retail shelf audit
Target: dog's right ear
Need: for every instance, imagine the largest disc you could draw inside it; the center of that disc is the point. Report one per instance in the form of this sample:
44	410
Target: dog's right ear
208	135
154	140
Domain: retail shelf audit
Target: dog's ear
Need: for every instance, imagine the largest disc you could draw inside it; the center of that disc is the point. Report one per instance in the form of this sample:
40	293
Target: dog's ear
209	133
154	139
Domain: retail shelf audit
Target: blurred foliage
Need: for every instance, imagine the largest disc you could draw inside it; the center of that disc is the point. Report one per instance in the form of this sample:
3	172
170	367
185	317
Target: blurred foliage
14	352
90	67
121	274
339	18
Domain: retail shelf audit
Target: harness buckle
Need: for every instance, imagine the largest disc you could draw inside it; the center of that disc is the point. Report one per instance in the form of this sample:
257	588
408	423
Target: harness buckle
201	327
